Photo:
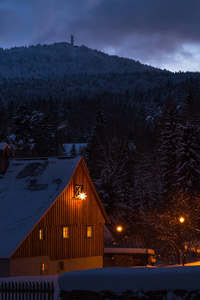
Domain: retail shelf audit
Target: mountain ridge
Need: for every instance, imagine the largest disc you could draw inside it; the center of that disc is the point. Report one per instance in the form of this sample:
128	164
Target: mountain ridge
63	59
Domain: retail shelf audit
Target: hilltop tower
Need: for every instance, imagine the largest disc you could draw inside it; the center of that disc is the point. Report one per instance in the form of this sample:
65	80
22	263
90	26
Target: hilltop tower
72	40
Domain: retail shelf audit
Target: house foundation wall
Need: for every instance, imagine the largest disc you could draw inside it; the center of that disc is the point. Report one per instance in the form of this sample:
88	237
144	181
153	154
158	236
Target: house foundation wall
42	265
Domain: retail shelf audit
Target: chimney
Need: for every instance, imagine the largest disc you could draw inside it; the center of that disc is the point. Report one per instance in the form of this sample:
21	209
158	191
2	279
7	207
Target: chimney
4	154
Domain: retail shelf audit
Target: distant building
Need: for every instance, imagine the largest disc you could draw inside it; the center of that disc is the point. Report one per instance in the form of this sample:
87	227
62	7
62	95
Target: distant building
47	225
128	257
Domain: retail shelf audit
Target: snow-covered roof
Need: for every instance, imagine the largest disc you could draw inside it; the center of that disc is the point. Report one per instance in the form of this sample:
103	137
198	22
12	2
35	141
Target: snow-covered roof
3	145
129	251
27	190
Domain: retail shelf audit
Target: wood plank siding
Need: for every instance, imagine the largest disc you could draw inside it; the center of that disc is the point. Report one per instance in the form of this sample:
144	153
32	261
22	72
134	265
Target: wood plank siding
66	211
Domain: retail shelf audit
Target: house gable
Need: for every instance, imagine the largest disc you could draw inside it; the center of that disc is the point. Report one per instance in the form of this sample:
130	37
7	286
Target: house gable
27	190
67	211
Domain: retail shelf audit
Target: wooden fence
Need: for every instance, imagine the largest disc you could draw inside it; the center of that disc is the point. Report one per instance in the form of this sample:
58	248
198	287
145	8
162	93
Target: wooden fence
26	291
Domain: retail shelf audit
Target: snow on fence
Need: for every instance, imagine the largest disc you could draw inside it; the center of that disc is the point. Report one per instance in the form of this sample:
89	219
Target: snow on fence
26	291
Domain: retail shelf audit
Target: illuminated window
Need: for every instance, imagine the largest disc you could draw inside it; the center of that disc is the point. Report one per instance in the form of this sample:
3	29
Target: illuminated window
41	234
89	231
78	191
44	267
65	232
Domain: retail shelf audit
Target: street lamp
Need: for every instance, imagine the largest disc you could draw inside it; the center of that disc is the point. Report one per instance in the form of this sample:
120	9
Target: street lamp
183	255
181	219
119	228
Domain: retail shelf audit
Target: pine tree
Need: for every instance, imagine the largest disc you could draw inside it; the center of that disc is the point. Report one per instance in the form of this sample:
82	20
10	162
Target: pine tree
147	180
73	151
188	152
43	136
168	150
95	146
188	173
115	183
22	121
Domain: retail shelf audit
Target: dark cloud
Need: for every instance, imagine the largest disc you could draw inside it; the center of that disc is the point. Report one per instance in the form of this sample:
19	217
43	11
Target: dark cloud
152	31
171	21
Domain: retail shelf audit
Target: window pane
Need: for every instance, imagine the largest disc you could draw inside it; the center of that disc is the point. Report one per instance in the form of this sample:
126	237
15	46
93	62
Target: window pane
78	191
66	232
41	234
89	231
44	267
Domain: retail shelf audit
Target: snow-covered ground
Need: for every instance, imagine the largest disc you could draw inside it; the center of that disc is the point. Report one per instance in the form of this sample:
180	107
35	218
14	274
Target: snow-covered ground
119	280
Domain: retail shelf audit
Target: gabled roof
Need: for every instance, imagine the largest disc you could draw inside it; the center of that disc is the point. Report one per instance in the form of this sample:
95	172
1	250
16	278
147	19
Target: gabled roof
3	145
27	190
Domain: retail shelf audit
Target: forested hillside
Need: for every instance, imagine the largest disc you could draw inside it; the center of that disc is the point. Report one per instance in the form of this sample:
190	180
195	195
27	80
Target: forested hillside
141	126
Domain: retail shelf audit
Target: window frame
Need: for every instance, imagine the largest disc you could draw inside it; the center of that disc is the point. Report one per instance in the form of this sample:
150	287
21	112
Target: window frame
68	231
41	234
87	231
78	189
44	266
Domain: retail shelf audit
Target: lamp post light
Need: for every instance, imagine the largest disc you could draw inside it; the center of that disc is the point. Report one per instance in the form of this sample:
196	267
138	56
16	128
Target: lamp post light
181	219
119	228
183	254
120	233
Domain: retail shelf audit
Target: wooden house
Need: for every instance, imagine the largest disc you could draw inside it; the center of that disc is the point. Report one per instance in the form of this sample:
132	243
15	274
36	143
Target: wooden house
51	218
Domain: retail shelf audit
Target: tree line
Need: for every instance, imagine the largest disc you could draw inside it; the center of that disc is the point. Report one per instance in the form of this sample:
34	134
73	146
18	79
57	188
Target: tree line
150	177
145	164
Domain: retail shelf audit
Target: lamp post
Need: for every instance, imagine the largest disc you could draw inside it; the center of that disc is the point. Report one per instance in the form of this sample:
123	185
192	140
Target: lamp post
182	220
120	233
